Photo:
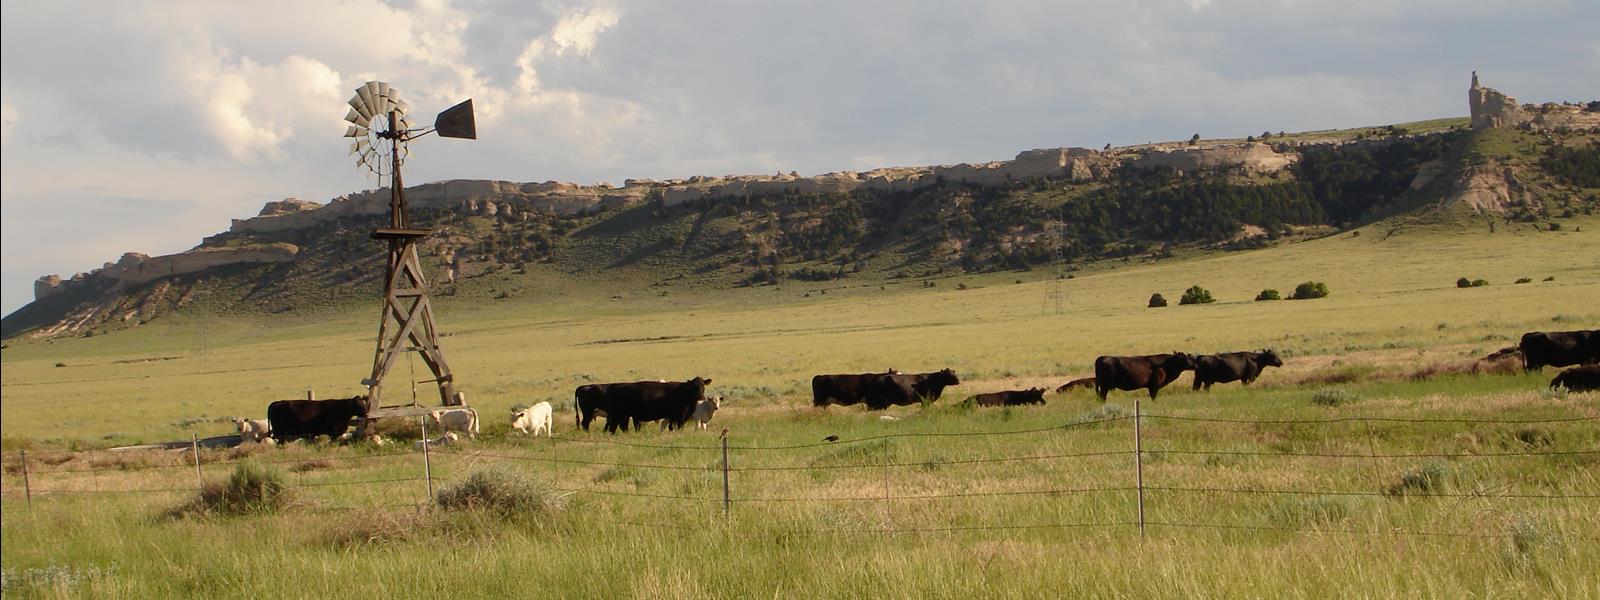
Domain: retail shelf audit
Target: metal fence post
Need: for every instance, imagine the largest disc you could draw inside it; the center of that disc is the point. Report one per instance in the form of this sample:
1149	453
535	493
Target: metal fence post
27	485
427	460
1138	463
194	448
727	497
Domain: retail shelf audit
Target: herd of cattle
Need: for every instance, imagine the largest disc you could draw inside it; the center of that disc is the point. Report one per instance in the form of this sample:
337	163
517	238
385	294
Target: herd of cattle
675	403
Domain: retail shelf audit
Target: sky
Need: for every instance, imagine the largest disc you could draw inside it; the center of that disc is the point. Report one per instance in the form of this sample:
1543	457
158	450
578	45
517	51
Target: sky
146	126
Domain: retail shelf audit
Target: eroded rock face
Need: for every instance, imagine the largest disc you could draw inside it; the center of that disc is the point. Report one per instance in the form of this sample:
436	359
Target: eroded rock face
1254	157
1487	188
1491	109
288	206
136	269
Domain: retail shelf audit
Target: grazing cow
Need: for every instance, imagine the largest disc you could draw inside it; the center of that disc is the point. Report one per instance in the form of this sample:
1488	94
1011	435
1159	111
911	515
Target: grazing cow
704	409
903	390
464	420
590	401
1232	366
644	401
1151	372
449	438
1559	348
252	431
842	389
1086	383
1012	398
294	419
1578	379
534	419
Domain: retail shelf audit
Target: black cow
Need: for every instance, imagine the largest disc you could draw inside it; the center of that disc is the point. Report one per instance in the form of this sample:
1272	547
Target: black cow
842	389
1232	366
645	401
589	401
1081	383
293	419
900	389
1011	398
1151	372
1559	348
1578	379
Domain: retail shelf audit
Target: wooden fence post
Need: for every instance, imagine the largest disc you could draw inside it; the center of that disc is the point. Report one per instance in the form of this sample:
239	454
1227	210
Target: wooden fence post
27	485
1138	463
727	497
194	448
427	461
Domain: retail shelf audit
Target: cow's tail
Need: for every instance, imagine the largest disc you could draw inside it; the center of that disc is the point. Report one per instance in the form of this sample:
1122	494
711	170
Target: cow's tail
577	409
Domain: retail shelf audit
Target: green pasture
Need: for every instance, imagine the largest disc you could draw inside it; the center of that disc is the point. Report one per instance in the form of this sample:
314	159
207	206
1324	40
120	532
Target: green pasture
985	507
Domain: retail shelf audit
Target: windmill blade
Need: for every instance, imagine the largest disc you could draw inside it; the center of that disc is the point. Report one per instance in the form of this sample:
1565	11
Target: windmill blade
356	104
384	91
358	146
355	117
401	106
355	131
370	102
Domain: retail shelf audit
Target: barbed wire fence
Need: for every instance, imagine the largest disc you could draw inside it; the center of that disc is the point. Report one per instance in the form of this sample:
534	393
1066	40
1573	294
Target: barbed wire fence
723	462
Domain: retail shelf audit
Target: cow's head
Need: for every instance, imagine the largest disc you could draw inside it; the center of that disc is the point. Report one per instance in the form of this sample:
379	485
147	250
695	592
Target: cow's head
716	401
238	423
1181	361
1035	394
945	377
1269	358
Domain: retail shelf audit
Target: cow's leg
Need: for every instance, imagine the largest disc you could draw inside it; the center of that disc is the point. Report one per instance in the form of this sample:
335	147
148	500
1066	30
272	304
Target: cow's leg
1201	382
1101	390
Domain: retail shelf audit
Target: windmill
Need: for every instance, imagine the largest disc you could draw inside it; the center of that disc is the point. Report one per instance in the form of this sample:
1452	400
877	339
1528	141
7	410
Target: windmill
1055	298
381	133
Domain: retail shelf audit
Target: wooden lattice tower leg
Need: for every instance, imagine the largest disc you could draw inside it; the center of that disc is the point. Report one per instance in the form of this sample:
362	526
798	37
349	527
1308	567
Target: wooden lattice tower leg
407	321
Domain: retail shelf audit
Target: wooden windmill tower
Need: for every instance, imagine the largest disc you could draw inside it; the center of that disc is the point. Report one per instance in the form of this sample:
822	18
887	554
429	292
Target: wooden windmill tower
382	134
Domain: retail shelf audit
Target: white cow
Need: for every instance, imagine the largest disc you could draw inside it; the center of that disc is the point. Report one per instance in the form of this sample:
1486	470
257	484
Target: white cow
253	430
464	420
704	409
447	439
535	418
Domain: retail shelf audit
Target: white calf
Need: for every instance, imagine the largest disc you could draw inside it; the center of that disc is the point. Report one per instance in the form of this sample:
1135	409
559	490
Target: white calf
704	409
535	418
252	430
464	420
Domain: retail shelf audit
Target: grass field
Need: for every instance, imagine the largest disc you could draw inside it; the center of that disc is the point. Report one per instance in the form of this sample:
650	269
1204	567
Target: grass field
842	520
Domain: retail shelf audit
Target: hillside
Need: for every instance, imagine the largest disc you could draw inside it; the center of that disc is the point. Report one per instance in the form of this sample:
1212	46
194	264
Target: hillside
1064	209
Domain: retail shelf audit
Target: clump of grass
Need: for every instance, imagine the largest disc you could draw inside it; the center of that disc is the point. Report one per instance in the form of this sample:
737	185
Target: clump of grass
1310	512
316	464
1104	412
872	451
639	478
250	489
1429	477
1339	373
1558	392
1332	396
1535	437
376	527
1527	536
506	494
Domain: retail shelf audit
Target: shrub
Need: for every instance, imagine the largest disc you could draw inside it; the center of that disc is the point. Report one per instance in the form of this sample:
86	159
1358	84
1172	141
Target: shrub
251	489
1524	280
1196	295
1463	282
1268	294
1332	396
1309	290
1427	478
503	493
1156	301
1480	282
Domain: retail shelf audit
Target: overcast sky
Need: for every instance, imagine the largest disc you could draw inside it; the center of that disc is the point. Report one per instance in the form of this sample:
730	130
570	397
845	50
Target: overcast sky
145	126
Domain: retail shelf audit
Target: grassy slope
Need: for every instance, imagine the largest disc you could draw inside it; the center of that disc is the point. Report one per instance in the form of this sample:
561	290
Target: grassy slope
1394	306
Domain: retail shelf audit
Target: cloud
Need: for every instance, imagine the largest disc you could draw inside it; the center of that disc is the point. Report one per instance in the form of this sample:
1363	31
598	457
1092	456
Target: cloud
223	106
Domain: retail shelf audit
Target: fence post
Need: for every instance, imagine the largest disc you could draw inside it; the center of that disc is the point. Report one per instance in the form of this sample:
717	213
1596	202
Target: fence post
194	448
427	460
1138	462
727	497
27	485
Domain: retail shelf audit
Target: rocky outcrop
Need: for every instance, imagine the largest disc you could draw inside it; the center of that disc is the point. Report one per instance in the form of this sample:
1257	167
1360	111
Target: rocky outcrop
1487	188
288	206
135	269
1253	157
1491	109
